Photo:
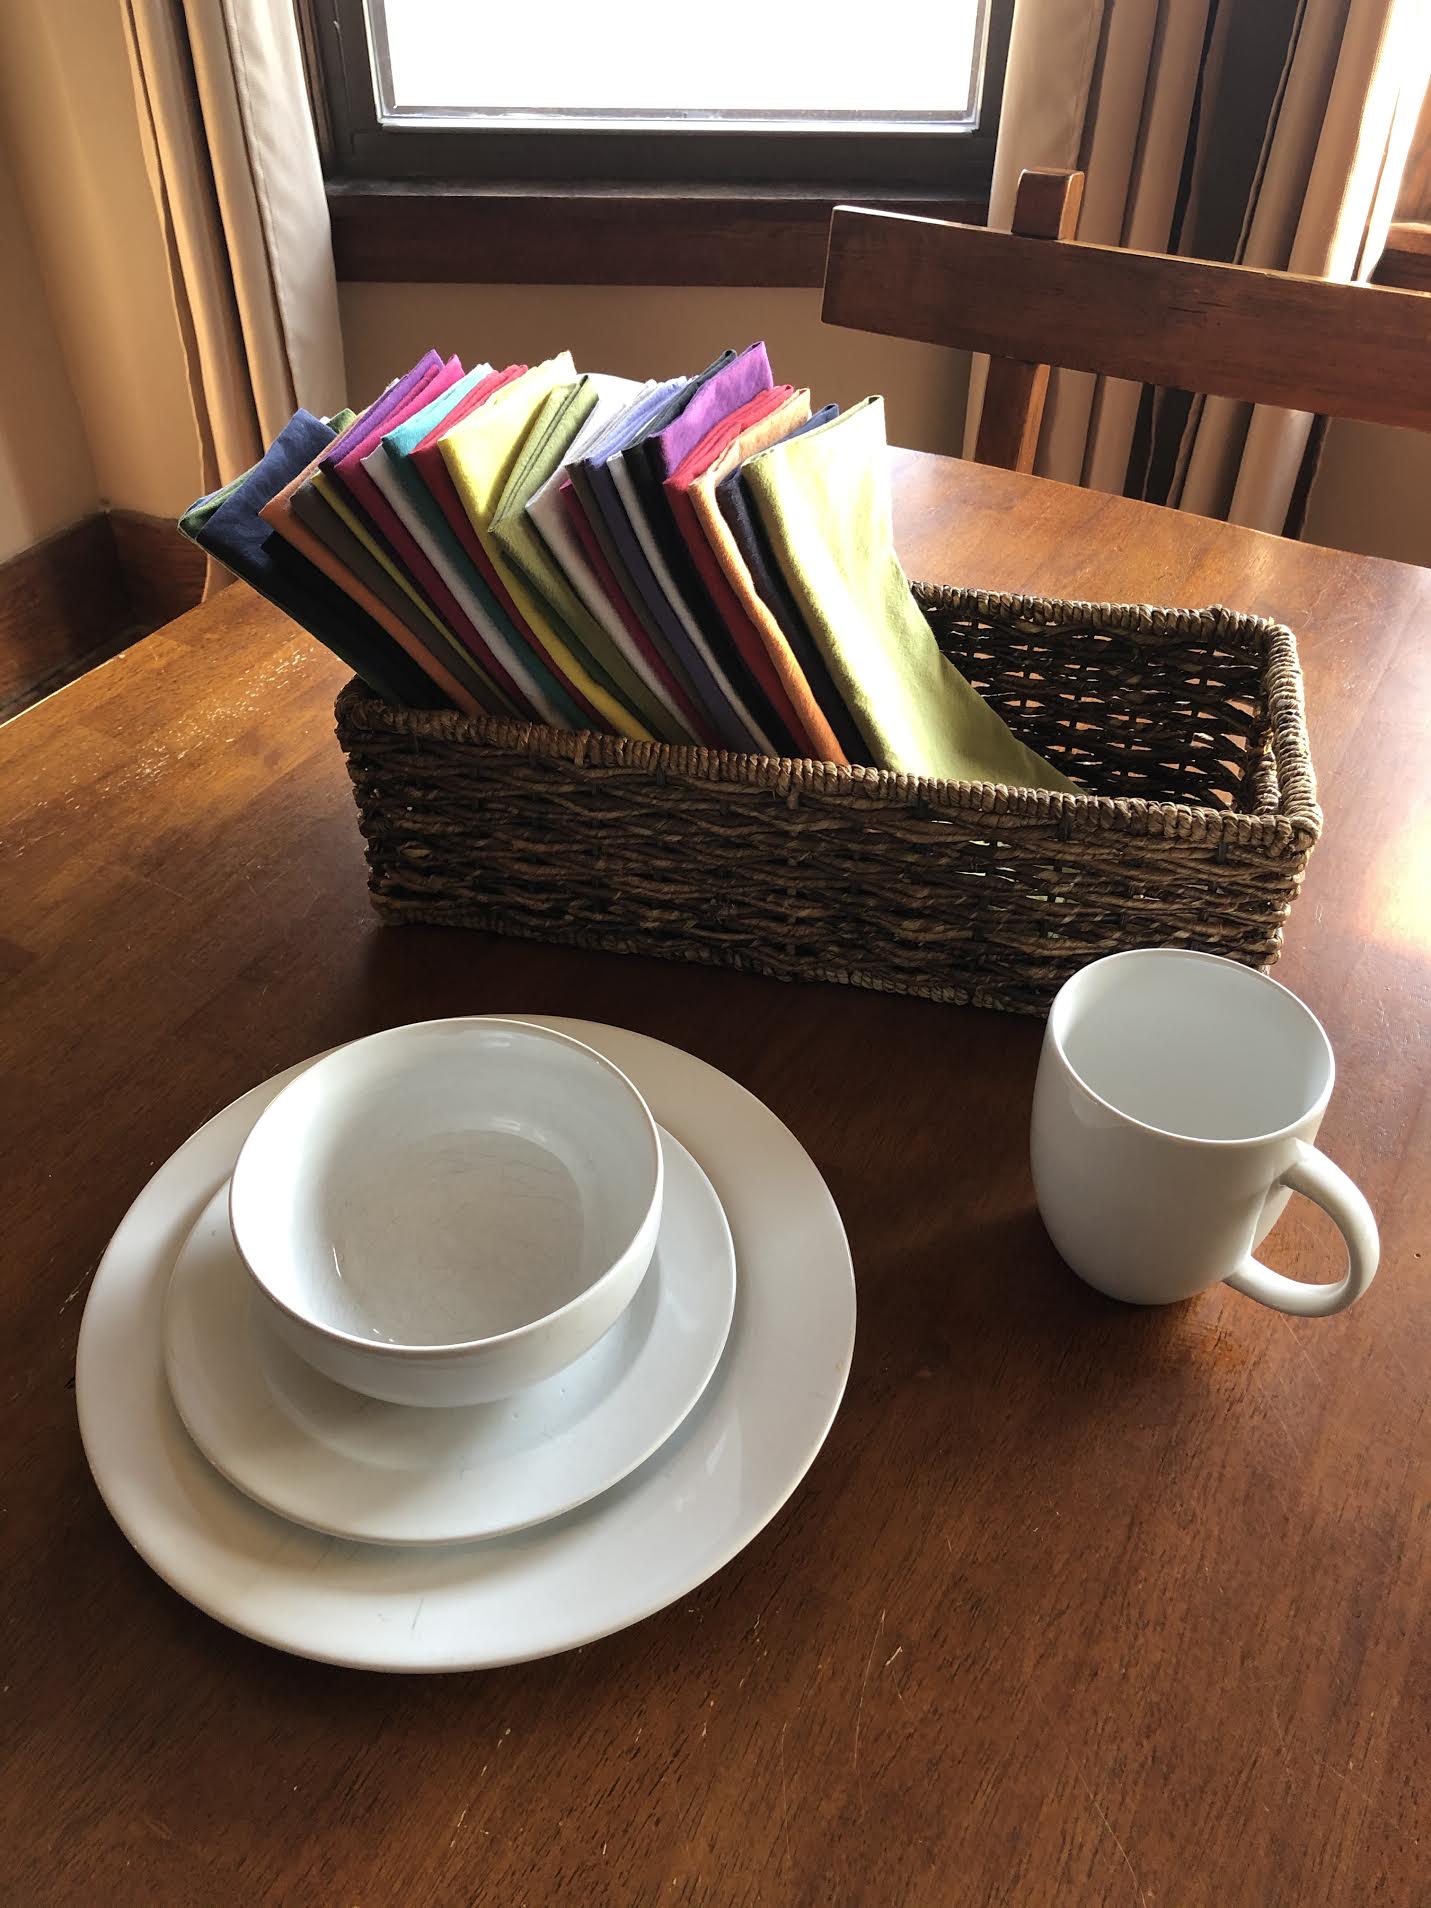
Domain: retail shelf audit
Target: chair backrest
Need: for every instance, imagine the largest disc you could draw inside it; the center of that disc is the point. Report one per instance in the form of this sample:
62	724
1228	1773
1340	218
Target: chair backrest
1036	296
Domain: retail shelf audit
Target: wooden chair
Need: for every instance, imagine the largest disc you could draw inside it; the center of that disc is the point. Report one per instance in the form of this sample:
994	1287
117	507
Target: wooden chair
1036	296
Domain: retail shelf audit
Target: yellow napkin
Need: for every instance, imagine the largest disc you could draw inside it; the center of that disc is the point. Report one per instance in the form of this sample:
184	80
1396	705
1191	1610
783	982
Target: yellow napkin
823	499
479	454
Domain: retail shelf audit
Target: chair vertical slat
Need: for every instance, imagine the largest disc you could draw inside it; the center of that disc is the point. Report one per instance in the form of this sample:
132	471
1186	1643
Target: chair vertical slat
1046	207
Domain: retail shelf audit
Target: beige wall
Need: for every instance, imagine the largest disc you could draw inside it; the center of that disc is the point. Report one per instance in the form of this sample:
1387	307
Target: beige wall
636	331
1373	492
47	478
68	123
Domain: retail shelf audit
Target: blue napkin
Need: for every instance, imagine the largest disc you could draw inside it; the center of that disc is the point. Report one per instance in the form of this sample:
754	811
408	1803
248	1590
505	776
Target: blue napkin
235	534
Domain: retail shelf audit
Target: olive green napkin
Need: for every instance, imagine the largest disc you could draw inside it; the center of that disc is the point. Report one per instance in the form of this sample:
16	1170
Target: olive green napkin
823	498
480	453
556	427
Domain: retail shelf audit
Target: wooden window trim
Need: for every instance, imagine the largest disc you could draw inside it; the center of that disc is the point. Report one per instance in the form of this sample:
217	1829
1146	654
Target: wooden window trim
613	207
432	233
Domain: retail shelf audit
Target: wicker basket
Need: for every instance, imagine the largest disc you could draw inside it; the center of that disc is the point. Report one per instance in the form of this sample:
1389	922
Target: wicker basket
1189	723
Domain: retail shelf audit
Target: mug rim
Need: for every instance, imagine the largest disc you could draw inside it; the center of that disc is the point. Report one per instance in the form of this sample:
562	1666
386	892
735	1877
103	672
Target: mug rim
1315	1109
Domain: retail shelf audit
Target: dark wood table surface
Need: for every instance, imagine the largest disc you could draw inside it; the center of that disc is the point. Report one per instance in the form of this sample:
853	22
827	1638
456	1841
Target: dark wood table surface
1080	1604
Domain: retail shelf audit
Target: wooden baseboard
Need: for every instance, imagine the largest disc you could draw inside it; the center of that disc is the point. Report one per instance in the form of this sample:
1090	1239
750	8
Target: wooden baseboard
59	601
84	593
163	572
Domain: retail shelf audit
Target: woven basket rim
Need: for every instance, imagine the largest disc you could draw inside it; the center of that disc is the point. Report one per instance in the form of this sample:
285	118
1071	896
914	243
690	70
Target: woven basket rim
1295	817
1210	619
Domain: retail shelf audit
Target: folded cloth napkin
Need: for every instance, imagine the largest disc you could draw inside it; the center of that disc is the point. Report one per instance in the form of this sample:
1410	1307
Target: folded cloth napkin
323	510
344	462
587	495
452	584
318	508
690	492
617	512
352	495
706	403
619	592
824	500
393	398
587	572
748	661
322	505
651	460
739	382
441	525
199	512
359	472
227	525
406	617
563	698
428	464
555	429
479	454
738	514
423	642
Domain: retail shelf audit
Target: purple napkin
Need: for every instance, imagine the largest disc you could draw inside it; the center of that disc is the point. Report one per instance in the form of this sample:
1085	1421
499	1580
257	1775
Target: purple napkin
382	407
647	462
742	379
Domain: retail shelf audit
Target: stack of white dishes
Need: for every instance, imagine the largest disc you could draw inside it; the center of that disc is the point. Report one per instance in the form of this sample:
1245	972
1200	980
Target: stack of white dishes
464	1344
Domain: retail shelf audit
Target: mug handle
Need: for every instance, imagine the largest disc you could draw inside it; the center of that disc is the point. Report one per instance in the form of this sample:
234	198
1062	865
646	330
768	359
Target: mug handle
1327	1186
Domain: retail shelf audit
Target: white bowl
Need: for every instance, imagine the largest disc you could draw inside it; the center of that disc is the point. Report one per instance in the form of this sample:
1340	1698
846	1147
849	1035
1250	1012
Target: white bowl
447	1212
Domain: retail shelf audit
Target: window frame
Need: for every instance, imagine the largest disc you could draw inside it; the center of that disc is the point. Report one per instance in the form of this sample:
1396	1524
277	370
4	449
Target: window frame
618	205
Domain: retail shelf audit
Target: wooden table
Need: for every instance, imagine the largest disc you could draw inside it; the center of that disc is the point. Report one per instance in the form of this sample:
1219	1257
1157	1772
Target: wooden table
1079	1605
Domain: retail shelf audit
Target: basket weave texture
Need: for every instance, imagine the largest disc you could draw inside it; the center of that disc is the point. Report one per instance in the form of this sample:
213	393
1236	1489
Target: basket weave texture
1188	723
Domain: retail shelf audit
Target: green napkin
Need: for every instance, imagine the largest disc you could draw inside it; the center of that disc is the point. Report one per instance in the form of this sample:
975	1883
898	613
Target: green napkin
480	453
321	508
556	427
824	501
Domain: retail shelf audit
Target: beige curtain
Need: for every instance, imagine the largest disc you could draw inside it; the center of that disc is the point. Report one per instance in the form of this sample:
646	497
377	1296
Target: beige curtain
233	163
1267	132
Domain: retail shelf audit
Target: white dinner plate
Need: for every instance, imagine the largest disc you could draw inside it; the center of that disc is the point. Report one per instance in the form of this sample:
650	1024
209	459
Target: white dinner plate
667	1527
355	1467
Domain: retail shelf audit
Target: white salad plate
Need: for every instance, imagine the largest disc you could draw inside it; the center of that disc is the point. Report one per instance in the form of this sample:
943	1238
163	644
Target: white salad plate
676	1520
353	1466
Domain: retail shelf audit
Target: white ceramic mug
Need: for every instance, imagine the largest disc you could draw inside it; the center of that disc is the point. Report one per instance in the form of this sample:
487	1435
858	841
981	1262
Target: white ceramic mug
1178	1097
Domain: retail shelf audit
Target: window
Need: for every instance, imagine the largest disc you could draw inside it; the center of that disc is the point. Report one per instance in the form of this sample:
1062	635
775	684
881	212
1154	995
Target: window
646	104
436	64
